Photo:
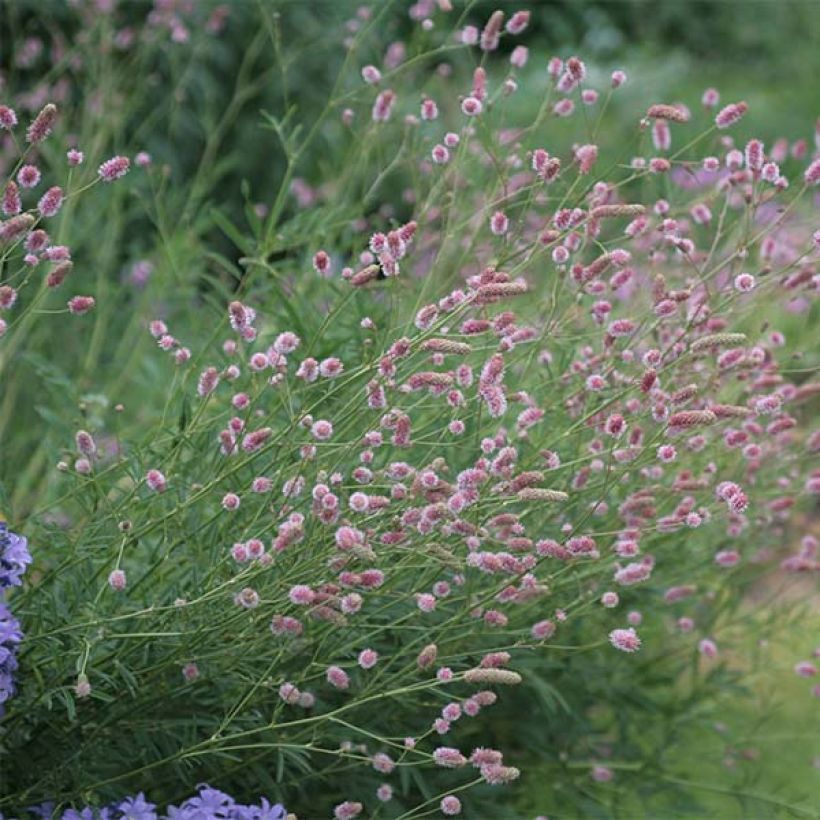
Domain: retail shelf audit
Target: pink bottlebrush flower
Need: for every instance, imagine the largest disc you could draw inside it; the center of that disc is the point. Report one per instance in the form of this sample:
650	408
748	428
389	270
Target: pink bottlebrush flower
618	78
85	443
255	440
450	805
385	793
8	118
518	22
602	774
708	648
337	677
51	201
82	466
321	430
440	155
626	640
75	157
744	282
805	669
585	156
490	34
426	602
667	453
729	115
371	75
208	381
497	775
609	599
156	481
499	223
79	305
368	658
754	155
634	618
449	757
117	580
11	204
331	367
321	263
563	108
347	810
589	96
471	106
8	296
710	98
727	558
42	125
543	630
427	656
289	693
383	763
519	56
812	174
143	159
114	168
230	501
429	109
190	672
383	107
661	135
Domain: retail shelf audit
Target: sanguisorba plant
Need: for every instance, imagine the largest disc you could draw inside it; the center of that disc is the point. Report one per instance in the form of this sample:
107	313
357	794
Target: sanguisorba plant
491	399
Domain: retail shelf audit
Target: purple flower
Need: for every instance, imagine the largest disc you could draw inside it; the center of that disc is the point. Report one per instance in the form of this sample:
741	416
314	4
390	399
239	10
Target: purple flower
14	557
210	804
137	808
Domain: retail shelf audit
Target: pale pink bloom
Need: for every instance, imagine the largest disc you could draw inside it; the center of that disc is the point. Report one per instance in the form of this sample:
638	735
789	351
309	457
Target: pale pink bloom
117	580
450	805
156	481
499	223
729	115
230	501
371	75
626	640
114	168
337	677
368	658
618	78
471	106
449	758
708	648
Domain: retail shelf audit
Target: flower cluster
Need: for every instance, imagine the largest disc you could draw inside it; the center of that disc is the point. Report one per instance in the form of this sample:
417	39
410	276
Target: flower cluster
206	803
14	559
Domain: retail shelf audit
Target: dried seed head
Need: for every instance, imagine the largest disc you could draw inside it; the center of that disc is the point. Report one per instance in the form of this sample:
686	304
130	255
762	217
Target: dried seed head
505	677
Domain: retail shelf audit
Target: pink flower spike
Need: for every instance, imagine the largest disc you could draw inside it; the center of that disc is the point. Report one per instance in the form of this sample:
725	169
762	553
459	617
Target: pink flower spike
114	168
626	640
78	305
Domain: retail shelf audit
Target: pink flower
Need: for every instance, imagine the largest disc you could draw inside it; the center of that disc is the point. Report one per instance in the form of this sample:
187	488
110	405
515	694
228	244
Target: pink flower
114	168
368	658
471	106
337	677
708	648
78	305
51	201
729	115
499	223
156	481
449	758
117	580
450	805
812	174
321	430
626	640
